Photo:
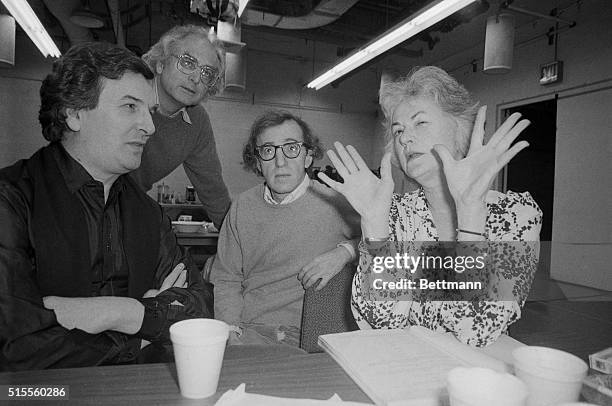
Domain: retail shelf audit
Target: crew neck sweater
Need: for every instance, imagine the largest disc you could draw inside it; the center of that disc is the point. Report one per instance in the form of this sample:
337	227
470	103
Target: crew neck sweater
262	248
177	142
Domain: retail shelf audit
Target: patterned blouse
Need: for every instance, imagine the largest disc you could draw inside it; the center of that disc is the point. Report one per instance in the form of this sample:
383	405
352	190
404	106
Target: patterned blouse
511	217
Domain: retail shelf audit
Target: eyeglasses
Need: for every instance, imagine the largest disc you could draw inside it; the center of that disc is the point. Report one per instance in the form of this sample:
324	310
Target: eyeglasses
291	150
209	75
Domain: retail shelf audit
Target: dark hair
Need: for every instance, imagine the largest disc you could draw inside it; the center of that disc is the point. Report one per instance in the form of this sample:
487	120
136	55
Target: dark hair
272	119
76	82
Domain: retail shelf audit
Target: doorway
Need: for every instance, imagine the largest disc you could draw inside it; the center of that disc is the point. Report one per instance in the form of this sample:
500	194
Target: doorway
533	169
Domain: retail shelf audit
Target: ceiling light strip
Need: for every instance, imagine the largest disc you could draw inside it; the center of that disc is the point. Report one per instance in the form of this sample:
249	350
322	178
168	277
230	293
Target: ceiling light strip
241	6
408	28
27	19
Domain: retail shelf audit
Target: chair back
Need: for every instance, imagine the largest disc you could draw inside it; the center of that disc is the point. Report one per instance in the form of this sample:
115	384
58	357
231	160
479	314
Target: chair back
328	310
207	268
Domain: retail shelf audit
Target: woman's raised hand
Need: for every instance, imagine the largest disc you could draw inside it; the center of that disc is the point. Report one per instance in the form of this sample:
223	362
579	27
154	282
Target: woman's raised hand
369	195
470	178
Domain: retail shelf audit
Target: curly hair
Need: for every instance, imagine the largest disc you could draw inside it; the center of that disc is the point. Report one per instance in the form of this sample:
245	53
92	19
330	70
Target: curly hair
433	82
162	50
274	118
77	79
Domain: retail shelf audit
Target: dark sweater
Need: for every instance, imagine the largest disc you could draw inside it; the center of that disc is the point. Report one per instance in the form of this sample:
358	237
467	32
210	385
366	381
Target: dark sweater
177	142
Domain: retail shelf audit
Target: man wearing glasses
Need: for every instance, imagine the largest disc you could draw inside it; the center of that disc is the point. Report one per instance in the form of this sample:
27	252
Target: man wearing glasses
280	237
89	267
188	62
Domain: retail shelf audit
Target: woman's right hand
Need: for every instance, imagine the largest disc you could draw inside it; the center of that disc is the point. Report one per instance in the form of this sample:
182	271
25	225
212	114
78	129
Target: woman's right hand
369	195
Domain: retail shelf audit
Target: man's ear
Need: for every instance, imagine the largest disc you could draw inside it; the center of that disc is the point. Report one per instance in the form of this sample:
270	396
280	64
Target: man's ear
259	167
159	67
73	119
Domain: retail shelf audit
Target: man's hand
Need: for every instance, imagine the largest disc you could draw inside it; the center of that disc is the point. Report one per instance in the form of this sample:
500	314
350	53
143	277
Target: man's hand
97	314
175	279
324	267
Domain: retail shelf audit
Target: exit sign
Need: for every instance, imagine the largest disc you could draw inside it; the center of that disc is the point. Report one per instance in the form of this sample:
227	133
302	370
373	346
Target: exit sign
551	72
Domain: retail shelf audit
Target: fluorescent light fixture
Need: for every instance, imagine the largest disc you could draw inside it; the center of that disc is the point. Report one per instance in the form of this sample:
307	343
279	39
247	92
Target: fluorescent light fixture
241	6
411	26
25	16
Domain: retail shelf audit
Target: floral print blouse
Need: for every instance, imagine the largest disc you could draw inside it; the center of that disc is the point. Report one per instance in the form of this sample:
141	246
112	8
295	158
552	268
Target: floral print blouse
511	217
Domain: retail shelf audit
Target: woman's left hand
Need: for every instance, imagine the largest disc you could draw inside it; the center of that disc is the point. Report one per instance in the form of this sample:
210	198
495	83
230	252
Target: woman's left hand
470	178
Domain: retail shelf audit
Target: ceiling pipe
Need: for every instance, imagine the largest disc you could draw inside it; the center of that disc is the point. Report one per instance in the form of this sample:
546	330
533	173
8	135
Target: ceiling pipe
509	6
62	10
326	12
84	17
115	13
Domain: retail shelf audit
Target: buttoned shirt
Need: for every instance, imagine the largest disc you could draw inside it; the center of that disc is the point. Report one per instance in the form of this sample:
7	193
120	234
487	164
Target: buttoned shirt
296	194
291	197
28	335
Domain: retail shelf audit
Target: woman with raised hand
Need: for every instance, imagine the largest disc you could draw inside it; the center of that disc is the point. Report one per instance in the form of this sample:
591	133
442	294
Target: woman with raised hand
437	132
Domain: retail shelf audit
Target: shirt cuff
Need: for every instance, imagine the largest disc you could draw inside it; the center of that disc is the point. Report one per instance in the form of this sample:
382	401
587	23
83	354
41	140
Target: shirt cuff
125	348
154	320
349	246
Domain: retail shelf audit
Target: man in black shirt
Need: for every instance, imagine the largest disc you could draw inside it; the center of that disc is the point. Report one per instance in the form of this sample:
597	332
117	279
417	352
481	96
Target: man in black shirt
90	272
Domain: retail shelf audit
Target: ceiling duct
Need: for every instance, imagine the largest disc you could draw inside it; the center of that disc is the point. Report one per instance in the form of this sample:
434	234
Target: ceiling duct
326	12
62	10
84	17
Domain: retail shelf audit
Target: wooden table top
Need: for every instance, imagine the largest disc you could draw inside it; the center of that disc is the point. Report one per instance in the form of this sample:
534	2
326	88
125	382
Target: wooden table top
270	370
284	372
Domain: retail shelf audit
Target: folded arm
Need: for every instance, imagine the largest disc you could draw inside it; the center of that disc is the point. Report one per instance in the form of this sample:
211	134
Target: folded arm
30	336
179	291
38	333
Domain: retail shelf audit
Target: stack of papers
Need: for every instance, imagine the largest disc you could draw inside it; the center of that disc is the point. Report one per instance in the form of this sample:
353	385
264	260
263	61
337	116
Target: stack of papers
405	367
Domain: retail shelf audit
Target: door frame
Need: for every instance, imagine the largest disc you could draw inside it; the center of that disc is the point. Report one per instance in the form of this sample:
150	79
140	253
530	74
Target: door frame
501	183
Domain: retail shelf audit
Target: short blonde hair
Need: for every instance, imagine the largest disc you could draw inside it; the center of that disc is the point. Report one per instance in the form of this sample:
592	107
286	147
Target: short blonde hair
162	49
433	82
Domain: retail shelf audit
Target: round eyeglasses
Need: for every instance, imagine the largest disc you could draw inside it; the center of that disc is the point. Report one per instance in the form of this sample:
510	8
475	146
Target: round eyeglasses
209	75
291	150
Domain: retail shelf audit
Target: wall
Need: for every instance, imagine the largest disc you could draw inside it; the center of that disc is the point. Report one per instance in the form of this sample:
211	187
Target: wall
20	133
582	226
278	68
231	123
583	192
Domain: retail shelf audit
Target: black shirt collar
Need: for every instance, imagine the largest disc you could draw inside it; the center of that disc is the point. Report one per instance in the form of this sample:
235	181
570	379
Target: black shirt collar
74	174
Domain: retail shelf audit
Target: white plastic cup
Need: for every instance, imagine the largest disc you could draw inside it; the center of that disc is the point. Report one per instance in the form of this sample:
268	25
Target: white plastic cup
199	345
552	376
484	387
